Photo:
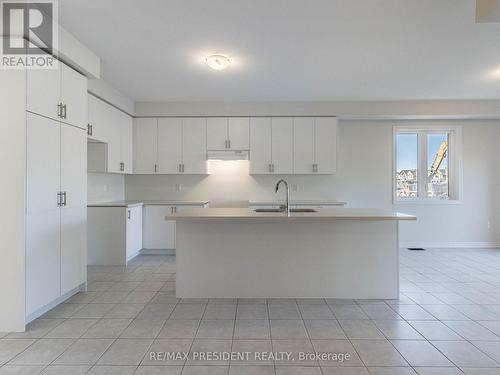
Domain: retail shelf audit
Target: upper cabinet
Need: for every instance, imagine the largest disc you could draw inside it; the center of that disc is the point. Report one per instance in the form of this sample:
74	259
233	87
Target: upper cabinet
315	145
228	133
271	145
110	133
60	94
145	145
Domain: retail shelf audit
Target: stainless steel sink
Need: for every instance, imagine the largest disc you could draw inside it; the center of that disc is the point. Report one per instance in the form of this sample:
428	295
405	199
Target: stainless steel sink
302	210
298	210
269	210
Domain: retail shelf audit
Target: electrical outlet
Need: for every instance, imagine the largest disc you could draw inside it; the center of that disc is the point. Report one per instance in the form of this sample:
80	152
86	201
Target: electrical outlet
295	188
178	187
105	187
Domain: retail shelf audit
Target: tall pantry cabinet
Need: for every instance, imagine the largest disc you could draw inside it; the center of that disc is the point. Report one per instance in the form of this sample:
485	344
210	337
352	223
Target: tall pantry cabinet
56	187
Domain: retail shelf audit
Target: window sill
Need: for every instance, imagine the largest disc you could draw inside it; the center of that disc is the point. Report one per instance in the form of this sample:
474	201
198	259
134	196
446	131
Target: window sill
427	202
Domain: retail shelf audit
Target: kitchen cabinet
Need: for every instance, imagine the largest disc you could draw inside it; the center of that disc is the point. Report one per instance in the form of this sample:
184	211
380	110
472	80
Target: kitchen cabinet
169	145
56	210
271	145
134	232
182	147
315	145
231	133
114	234
159	234
145	145
112	128
60	94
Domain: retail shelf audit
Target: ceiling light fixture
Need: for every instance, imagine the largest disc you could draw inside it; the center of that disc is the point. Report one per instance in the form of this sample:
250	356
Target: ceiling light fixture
217	61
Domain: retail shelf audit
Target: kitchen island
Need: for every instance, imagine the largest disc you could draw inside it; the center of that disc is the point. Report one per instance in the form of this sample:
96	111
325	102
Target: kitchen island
329	253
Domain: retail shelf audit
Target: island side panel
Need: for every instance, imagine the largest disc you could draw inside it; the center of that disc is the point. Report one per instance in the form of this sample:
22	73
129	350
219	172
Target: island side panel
287	259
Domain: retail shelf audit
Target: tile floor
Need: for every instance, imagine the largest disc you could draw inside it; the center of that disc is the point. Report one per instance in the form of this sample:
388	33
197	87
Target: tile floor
446	321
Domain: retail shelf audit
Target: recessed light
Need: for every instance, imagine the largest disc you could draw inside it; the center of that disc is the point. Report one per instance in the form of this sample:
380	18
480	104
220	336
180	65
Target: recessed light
217	61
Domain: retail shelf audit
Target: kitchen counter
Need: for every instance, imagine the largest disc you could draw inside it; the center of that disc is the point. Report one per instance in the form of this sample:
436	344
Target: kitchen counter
332	253
134	203
241	214
298	202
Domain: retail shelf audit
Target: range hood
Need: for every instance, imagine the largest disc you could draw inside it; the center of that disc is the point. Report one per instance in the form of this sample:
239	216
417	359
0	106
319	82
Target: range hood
227	155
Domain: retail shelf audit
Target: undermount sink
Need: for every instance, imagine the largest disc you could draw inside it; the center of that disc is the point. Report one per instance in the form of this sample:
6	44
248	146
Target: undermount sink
283	210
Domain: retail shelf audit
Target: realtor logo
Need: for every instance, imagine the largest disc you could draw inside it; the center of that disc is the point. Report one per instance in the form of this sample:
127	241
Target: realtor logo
29	34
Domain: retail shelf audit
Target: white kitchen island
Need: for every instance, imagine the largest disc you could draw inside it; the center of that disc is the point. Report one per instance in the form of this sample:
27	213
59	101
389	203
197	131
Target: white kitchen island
331	253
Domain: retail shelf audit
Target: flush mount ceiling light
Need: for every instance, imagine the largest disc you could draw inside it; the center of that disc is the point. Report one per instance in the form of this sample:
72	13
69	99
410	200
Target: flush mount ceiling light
217	61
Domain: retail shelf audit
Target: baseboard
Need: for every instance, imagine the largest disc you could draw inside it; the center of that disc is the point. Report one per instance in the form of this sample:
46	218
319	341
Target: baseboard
58	301
158	251
450	245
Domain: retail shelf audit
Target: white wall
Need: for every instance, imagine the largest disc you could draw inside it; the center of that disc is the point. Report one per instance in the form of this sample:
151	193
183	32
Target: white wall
364	179
104	187
12	199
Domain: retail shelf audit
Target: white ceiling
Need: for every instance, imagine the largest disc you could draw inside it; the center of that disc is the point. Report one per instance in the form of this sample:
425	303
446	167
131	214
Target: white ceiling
287	50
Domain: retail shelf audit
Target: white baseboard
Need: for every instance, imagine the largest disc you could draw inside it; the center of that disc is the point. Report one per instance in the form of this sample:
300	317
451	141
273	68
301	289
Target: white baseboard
158	251
50	306
450	245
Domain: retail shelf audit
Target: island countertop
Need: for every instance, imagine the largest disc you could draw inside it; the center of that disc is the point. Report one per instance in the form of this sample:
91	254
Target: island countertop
246	214
133	203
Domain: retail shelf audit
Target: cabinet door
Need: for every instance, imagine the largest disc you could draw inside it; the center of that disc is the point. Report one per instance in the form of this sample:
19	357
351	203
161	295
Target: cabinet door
44	91
126	141
145	145
74	209
98	119
73	247
260	145
114	148
326	145
194	146
239	133
43	214
217	133
74	97
158	232
303	145
169	145
134	231
282	145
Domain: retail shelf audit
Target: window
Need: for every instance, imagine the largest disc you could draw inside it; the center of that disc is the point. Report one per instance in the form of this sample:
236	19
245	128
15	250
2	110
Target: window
427	164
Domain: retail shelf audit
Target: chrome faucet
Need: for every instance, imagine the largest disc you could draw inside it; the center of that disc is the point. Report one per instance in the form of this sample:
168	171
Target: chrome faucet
287	204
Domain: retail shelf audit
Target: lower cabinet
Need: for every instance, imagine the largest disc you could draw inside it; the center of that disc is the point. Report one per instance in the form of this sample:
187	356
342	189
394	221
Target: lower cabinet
55	212
159	233
114	235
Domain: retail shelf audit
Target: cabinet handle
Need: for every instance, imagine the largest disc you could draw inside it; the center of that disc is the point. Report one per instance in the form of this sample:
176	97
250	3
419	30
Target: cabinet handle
122	166
64	111
180	168
89	131
128	214
63	203
59	109
59	200
315	168
229	143
269	168
156	168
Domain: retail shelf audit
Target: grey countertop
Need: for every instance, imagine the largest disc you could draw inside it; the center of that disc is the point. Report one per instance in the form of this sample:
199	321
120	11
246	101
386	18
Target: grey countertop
134	203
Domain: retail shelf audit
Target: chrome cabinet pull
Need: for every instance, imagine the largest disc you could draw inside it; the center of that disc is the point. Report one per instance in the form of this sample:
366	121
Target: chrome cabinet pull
128	214
63	202
270	168
59	200
59	109
64	111
156	168
315	168
180	168
229	143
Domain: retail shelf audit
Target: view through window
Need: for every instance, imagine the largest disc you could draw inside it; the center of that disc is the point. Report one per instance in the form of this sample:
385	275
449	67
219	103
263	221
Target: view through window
422	165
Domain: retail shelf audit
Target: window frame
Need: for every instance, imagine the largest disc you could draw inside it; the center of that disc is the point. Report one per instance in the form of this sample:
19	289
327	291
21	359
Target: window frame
455	180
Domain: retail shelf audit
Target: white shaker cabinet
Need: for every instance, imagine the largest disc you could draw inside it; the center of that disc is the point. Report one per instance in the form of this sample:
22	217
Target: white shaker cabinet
60	94
231	133
271	145
125	142
56	211
145	145
303	145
